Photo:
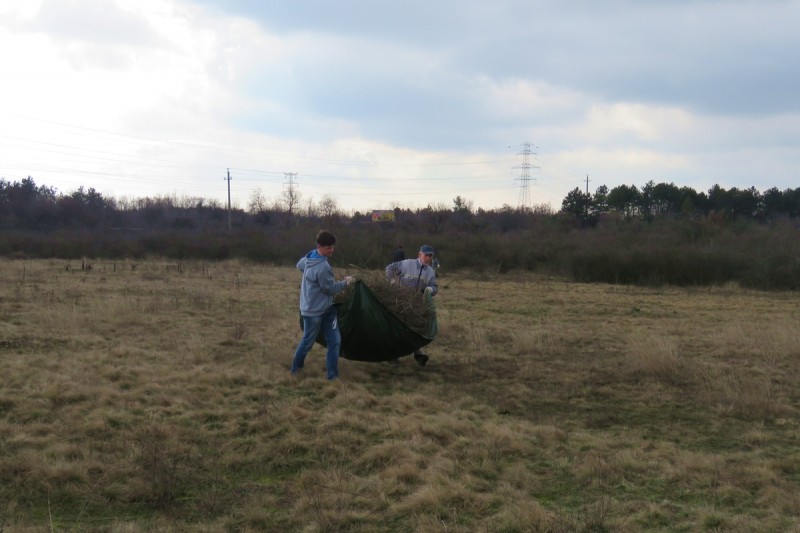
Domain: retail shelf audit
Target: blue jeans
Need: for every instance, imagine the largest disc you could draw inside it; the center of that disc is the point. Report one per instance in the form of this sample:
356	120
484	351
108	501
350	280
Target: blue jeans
333	338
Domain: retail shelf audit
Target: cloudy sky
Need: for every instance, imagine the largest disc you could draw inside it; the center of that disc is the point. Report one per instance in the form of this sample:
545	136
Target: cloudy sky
380	104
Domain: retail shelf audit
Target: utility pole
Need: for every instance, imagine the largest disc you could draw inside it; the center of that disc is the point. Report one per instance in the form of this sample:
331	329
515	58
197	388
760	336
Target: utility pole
587	183
525	176
228	179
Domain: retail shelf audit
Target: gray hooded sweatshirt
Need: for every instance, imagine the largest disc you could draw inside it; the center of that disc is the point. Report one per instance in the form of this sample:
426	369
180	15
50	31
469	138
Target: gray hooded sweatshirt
318	286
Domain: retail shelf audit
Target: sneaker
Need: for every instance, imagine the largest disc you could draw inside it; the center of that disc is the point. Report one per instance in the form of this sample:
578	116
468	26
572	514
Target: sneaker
421	358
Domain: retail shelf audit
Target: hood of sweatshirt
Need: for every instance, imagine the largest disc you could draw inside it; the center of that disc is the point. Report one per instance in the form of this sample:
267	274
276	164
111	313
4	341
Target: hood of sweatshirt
311	259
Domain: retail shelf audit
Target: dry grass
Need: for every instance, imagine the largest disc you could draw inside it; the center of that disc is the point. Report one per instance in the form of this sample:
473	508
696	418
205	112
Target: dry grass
156	397
404	303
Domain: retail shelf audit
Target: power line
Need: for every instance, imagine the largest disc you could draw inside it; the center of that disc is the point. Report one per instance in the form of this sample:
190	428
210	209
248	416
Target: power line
206	147
116	165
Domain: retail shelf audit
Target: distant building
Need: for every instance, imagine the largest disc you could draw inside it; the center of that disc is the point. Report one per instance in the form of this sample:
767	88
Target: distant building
383	215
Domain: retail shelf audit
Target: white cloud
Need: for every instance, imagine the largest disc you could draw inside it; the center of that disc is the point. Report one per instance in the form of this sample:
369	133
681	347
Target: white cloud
161	96
529	99
636	123
95	22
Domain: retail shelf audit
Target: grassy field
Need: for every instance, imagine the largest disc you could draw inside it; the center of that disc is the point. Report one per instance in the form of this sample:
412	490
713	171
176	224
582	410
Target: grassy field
153	396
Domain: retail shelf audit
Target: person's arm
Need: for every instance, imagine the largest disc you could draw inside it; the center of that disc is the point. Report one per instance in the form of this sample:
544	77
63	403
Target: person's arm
328	283
391	271
433	285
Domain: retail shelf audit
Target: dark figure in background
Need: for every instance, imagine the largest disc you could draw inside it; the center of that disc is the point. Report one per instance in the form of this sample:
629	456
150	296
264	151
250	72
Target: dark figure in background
399	254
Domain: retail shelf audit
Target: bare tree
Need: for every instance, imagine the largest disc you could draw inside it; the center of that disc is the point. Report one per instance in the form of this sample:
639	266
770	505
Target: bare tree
328	207
311	209
437	215
291	199
258	203
258	207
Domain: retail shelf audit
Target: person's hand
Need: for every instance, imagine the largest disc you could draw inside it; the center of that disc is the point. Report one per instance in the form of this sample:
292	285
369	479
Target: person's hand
349	279
428	291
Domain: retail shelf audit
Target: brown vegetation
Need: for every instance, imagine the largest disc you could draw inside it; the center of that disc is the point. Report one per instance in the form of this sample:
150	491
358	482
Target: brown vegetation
658	235
140	396
401	301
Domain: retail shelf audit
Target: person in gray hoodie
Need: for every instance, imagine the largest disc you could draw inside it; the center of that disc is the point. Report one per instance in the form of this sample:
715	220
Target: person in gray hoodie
316	304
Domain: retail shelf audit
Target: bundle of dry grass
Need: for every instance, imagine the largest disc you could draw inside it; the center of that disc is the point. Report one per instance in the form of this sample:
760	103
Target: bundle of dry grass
408	305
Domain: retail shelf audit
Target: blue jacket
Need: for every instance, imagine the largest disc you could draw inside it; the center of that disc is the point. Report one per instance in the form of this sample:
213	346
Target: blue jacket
413	273
318	286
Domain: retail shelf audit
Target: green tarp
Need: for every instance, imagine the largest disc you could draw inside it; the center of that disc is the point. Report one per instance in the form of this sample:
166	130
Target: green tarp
370	332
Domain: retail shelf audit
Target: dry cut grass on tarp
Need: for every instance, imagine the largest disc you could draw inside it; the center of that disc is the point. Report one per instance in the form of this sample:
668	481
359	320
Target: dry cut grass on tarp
405	303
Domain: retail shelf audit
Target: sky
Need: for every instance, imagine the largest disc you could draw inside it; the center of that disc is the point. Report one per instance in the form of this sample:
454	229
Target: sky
377	104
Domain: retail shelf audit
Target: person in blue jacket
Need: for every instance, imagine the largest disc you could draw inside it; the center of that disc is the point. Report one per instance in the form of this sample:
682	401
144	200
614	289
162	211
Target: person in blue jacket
417	274
316	304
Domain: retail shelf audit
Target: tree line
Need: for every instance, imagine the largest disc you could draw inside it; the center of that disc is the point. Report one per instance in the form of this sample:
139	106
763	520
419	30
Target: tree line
667	199
26	205
657	234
